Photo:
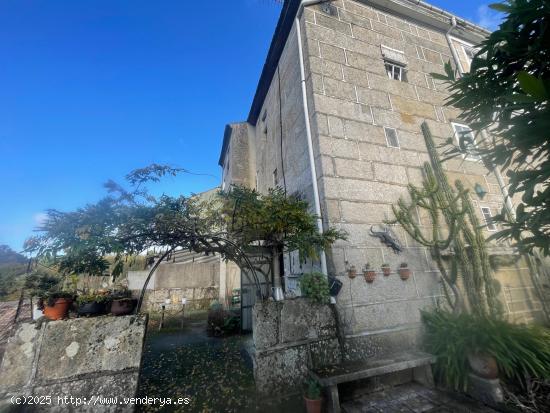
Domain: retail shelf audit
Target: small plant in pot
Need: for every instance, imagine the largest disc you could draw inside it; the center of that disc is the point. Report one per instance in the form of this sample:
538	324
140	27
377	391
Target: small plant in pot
122	302
404	271
46	289
91	304
56	304
312	397
369	273
386	270
352	271
315	286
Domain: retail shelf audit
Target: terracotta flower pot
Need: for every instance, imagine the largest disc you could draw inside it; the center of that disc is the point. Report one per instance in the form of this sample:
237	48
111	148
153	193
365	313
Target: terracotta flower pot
483	365
404	273
313	406
352	273
59	310
123	306
369	275
386	271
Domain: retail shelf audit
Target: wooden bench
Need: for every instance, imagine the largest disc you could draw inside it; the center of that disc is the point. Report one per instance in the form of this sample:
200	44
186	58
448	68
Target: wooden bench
330	377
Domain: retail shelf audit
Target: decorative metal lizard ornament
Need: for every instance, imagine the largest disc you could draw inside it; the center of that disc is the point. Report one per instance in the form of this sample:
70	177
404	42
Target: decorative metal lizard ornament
387	237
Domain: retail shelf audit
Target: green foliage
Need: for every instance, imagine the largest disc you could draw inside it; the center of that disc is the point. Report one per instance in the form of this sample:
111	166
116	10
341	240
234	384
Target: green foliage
99	238
103	238
51	296
92	298
40	282
520	351
312	390
450	208
507	91
315	286
277	220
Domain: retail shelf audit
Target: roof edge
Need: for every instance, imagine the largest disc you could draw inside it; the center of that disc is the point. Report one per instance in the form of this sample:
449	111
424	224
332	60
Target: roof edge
286	20
226	137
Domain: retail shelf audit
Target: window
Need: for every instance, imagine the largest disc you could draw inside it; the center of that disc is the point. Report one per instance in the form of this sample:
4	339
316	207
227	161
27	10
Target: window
396	72
470	52
391	137
466	141
490	225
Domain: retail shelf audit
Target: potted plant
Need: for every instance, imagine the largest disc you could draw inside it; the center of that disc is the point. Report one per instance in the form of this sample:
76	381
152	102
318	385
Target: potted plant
51	298
386	270
122	302
91	304
369	273
56	304
352	272
312	397
404	271
483	365
315	286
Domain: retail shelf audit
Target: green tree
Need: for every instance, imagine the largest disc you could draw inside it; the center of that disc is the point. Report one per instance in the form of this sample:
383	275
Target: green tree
99	238
504	98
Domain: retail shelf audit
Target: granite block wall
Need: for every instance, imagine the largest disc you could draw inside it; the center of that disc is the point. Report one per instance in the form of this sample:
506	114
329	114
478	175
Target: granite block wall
361	175
84	358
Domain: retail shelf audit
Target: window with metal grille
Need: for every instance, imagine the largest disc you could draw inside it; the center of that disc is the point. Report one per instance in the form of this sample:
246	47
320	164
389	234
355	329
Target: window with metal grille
488	217
466	141
396	72
391	137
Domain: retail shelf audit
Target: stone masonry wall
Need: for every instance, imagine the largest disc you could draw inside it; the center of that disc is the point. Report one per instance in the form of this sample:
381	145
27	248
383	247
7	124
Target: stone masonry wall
289	337
84	357
360	176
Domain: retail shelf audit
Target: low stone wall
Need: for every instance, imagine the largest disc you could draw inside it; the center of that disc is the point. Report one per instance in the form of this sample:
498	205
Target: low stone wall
289	337
84	358
171	298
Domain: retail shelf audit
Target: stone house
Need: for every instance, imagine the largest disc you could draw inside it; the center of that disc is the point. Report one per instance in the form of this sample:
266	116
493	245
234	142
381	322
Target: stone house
199	279
336	118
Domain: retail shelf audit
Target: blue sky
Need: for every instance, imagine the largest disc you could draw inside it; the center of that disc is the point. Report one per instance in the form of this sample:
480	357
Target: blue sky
91	89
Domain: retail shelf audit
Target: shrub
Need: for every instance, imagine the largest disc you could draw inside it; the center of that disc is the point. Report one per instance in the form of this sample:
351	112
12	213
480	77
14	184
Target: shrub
92	298
520	351
314	286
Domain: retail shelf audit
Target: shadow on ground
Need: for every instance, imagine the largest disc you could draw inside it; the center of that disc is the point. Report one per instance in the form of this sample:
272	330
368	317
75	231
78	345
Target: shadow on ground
214	373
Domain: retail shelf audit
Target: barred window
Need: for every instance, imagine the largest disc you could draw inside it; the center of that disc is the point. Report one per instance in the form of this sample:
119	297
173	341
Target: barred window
466	141
488	217
391	137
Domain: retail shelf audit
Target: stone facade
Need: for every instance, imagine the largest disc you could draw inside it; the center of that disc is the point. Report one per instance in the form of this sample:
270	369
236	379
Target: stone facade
82	358
359	172
289	337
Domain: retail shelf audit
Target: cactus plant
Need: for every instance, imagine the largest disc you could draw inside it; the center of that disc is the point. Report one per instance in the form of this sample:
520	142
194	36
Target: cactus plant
450	208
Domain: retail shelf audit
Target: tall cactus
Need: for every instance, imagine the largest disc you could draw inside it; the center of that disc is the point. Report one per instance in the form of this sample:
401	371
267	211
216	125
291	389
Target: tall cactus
465	241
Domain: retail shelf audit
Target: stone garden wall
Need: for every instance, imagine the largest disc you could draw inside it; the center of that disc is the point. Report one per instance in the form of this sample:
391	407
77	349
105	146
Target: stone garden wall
84	357
289	337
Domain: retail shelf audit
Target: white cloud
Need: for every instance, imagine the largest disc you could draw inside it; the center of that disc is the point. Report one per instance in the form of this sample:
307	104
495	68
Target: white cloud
39	218
488	18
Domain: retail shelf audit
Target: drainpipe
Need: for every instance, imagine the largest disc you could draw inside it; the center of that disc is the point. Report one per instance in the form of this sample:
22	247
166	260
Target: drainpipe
450	42
313	169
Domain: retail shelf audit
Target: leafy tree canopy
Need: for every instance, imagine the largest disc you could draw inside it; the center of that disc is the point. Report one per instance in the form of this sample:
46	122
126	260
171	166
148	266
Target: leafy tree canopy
506	93
275	220
129	221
